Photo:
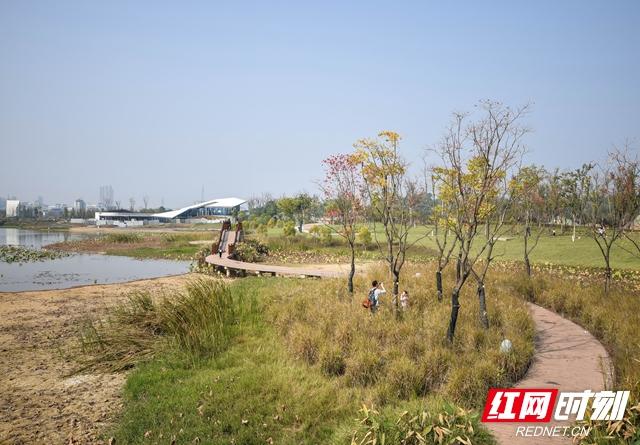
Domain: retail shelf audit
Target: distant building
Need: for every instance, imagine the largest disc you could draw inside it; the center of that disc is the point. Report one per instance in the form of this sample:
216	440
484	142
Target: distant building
79	206
20	209
13	208
218	207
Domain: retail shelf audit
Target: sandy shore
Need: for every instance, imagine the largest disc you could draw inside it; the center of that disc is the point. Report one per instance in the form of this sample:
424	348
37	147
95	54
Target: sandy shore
38	403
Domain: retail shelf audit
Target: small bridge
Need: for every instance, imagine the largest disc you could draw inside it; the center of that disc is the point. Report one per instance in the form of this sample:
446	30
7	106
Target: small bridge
222	259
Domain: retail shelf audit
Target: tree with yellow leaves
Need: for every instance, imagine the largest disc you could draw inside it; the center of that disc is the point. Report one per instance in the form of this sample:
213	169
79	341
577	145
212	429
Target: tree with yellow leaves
392	199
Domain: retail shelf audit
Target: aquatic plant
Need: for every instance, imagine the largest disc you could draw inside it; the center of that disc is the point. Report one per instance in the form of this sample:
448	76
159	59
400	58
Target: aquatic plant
19	254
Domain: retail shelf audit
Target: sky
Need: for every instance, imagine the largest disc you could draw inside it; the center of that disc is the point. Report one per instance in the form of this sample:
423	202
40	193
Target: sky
242	98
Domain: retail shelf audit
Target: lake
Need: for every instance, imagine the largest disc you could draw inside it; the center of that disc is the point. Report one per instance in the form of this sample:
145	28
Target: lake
75	270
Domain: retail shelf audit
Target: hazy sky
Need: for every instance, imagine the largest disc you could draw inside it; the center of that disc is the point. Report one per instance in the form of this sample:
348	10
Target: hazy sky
247	97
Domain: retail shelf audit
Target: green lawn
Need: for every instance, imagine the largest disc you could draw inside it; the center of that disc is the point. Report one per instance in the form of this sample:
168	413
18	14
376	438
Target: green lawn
560	249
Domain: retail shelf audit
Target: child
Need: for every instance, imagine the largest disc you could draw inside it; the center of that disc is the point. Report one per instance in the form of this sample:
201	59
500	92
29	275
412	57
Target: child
404	300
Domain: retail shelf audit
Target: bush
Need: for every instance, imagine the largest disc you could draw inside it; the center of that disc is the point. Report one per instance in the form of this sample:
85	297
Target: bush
326	235
262	229
251	251
289	229
364	236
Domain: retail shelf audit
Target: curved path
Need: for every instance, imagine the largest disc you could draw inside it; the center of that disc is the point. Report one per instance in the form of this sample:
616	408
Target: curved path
567	358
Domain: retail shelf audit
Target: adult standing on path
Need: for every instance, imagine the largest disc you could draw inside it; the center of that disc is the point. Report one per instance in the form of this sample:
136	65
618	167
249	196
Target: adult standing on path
567	358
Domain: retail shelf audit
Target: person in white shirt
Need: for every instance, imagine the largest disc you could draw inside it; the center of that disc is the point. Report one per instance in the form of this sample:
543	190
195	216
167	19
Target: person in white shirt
377	289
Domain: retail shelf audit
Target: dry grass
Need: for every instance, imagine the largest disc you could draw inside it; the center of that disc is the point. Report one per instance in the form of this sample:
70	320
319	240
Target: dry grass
401	359
196	322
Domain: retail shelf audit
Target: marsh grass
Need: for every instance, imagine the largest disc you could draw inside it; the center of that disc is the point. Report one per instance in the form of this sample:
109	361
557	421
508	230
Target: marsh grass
402	359
123	238
196	323
260	389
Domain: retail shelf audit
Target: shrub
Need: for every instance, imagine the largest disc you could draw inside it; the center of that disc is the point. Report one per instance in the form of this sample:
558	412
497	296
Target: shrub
262	229
364	236
326	235
251	251
289	229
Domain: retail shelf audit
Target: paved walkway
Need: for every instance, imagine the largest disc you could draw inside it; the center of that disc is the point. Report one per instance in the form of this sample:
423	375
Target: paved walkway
568	358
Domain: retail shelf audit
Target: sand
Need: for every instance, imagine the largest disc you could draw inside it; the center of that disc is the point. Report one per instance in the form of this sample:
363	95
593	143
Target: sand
39	402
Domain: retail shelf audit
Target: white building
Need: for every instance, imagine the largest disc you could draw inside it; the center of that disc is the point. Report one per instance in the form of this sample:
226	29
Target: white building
217	207
13	208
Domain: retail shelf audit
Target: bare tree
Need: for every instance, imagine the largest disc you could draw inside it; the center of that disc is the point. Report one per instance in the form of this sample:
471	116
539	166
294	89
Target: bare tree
477	157
145	200
343	190
132	203
442	234
612	204
529	193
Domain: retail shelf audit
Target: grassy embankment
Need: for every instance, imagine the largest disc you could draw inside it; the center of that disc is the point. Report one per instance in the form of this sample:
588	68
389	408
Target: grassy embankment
142	245
301	359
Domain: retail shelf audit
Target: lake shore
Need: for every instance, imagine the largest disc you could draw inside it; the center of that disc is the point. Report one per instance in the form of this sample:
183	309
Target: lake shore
40	401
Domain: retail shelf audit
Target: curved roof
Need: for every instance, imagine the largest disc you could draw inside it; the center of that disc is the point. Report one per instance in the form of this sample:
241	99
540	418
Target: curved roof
224	203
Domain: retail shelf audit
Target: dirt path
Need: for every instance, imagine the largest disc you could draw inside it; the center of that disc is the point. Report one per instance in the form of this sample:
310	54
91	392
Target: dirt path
37	403
568	358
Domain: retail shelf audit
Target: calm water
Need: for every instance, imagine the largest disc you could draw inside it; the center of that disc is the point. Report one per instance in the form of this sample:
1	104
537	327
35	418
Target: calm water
74	270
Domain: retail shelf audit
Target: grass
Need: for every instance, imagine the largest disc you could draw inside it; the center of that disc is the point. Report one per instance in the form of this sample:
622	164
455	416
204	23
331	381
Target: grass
559	249
197	322
307	384
141	245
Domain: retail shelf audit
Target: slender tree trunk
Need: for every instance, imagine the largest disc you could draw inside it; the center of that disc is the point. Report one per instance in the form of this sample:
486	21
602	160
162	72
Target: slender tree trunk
607	273
458	267
484	318
352	271
573	236
396	286
455	307
527	264
439	284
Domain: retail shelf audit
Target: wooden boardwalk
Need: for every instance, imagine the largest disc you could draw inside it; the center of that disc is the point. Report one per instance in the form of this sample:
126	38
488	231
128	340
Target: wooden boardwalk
242	268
